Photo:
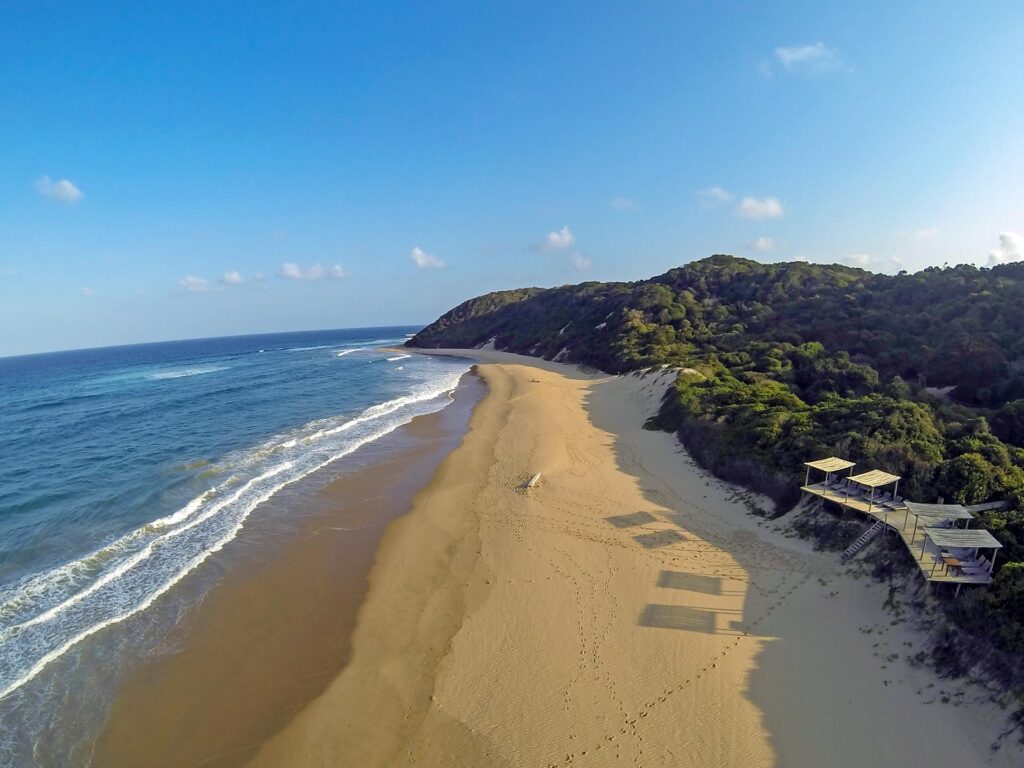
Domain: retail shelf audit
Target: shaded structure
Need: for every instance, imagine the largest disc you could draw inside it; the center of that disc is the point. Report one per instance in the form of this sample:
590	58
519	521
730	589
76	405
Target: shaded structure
870	482
960	549
937	536
935	515
829	466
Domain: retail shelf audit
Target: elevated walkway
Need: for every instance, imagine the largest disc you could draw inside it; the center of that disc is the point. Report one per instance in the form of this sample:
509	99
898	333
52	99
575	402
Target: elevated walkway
911	528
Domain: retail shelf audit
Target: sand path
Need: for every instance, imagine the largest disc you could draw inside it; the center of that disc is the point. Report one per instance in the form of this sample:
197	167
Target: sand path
627	611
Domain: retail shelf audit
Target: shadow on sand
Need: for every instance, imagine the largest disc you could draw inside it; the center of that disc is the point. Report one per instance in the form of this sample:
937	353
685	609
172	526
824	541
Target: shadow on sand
628	521
689	619
693	582
656	539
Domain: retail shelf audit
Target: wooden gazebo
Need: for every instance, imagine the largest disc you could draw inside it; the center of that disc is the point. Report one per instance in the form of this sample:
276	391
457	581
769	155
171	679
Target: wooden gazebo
873	480
829	466
976	539
932	514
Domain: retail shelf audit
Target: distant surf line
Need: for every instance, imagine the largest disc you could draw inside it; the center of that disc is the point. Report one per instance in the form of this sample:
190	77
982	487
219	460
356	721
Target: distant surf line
185	372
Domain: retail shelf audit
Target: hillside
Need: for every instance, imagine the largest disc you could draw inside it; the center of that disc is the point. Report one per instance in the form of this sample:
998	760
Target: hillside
796	361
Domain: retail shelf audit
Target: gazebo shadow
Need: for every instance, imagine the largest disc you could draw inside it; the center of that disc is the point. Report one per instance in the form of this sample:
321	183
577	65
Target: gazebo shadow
658	539
694	582
687	619
628	521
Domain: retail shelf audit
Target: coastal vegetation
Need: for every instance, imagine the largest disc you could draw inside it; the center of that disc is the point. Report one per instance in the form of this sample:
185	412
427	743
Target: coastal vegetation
921	375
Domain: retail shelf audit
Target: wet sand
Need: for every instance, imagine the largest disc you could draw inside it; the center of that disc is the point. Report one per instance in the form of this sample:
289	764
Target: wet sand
275	630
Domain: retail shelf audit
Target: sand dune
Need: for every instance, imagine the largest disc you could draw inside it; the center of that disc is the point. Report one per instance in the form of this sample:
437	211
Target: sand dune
628	610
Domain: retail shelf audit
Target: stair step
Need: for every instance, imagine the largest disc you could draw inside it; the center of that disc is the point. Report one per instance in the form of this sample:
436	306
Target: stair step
863	539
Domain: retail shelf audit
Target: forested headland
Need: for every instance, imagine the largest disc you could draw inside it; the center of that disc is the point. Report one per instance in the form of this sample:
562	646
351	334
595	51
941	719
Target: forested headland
921	375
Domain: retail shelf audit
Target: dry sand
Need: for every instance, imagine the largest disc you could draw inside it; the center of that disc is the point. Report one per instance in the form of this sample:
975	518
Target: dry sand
629	610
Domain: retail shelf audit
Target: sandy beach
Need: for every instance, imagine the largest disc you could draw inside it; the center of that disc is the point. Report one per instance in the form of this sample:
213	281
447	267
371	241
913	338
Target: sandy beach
275	630
627	610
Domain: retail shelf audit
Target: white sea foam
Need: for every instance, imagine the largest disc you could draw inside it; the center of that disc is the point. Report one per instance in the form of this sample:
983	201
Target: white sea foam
26	594
195	562
183	372
105	579
185	512
398	357
344	352
52	612
215	508
392	340
307	349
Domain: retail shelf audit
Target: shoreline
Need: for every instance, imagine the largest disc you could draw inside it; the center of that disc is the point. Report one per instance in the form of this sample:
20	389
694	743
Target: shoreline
274	630
655	619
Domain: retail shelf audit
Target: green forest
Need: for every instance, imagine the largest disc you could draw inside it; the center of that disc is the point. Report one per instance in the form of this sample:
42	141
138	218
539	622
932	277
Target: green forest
921	374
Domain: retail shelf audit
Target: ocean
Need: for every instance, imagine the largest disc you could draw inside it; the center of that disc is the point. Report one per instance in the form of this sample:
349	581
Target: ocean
122	470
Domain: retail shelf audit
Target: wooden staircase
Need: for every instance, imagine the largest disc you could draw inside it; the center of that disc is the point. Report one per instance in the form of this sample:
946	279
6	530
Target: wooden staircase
863	540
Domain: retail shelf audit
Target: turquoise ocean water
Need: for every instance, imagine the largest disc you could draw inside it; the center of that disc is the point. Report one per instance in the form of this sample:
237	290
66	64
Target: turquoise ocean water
123	469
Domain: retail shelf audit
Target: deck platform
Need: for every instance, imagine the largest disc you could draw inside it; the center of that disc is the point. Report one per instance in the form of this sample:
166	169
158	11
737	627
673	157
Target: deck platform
909	527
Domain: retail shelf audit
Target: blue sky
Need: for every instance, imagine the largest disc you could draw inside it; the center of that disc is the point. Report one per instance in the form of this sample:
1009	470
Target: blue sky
177	170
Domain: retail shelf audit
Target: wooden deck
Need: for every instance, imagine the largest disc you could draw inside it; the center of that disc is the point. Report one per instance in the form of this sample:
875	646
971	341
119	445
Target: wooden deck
900	521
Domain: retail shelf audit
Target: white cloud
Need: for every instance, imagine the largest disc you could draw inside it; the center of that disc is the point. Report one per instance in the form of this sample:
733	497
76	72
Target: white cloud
292	271
62	190
1010	248
764	245
624	204
815	59
232	278
335	272
87	291
763	208
579	261
425	260
713	197
195	284
561	240
862	260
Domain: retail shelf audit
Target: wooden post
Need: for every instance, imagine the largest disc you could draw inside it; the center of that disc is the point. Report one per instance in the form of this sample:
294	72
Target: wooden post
807	477
871	500
992	564
895	488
